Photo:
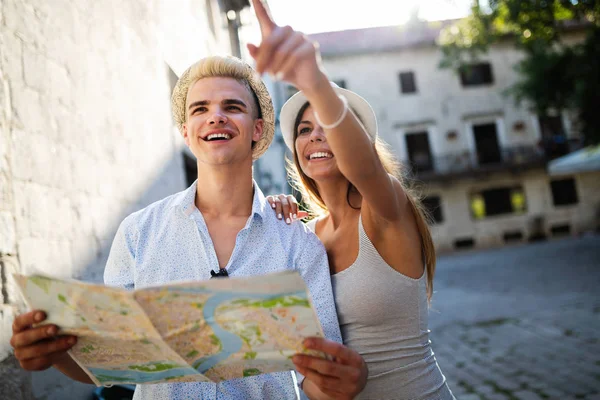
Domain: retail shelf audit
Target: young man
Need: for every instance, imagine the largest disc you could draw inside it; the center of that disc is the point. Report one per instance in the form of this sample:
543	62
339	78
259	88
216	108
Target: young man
221	223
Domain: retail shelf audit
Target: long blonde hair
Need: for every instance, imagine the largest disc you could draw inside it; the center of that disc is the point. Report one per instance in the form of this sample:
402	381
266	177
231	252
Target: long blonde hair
316	206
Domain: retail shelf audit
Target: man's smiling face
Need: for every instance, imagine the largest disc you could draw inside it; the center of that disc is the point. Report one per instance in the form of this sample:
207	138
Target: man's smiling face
221	121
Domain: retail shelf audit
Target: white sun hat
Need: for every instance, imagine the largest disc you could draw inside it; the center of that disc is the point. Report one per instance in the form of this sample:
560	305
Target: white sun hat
290	110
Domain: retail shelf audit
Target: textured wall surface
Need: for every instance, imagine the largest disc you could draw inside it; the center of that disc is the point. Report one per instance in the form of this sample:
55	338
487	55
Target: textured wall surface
86	138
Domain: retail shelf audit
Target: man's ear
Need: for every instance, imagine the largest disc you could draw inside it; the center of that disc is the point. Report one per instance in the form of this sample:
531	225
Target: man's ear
258	130
186	137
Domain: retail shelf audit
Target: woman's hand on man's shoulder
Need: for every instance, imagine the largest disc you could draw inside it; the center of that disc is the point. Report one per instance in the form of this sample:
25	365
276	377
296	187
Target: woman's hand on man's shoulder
285	206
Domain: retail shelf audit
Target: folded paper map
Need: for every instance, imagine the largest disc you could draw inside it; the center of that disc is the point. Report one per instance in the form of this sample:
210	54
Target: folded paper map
198	331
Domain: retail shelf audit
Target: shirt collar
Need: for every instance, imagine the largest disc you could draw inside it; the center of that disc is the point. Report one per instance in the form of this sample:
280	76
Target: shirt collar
188	196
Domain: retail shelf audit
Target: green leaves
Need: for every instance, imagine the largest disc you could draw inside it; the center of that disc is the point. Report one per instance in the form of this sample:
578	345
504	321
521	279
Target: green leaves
251	372
557	73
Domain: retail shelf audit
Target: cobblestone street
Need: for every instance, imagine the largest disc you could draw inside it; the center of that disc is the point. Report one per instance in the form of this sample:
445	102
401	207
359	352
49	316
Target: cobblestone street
520	322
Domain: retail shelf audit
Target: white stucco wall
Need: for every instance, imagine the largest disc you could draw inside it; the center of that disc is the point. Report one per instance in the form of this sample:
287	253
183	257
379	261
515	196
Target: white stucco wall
458	223
86	135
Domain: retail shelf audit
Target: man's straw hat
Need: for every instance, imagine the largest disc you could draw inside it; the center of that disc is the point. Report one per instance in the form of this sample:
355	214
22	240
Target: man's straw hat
179	97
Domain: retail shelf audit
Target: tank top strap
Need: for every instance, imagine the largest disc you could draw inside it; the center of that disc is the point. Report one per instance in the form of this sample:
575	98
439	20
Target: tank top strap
366	248
361	229
365	244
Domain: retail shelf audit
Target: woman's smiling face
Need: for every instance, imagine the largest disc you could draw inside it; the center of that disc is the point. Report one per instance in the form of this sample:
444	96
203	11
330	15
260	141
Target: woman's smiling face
313	152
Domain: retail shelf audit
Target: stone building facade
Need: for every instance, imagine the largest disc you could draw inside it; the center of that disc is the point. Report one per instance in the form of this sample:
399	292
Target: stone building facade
480	159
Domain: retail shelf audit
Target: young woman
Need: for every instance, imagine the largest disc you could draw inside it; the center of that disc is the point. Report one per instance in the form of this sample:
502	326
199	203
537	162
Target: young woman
380	250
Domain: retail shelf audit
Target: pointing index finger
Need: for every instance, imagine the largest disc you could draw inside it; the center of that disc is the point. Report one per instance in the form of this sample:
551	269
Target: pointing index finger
264	19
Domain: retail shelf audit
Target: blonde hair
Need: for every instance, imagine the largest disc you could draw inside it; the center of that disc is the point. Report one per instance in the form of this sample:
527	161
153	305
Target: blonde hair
316	206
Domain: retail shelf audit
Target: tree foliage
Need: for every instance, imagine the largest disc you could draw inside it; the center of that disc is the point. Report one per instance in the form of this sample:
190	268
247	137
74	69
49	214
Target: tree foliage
555	74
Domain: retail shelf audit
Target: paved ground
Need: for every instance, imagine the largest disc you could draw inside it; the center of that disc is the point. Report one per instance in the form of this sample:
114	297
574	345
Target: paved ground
520	322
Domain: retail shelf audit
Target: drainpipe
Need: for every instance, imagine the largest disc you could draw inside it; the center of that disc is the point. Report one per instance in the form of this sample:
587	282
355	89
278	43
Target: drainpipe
233	26
231	9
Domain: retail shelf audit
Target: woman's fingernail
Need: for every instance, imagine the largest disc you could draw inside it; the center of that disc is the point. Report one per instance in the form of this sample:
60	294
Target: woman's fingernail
51	331
279	216
279	76
295	216
38	317
288	221
273	205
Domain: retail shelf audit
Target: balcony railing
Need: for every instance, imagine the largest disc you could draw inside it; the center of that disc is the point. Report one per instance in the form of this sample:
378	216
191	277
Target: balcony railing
467	162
